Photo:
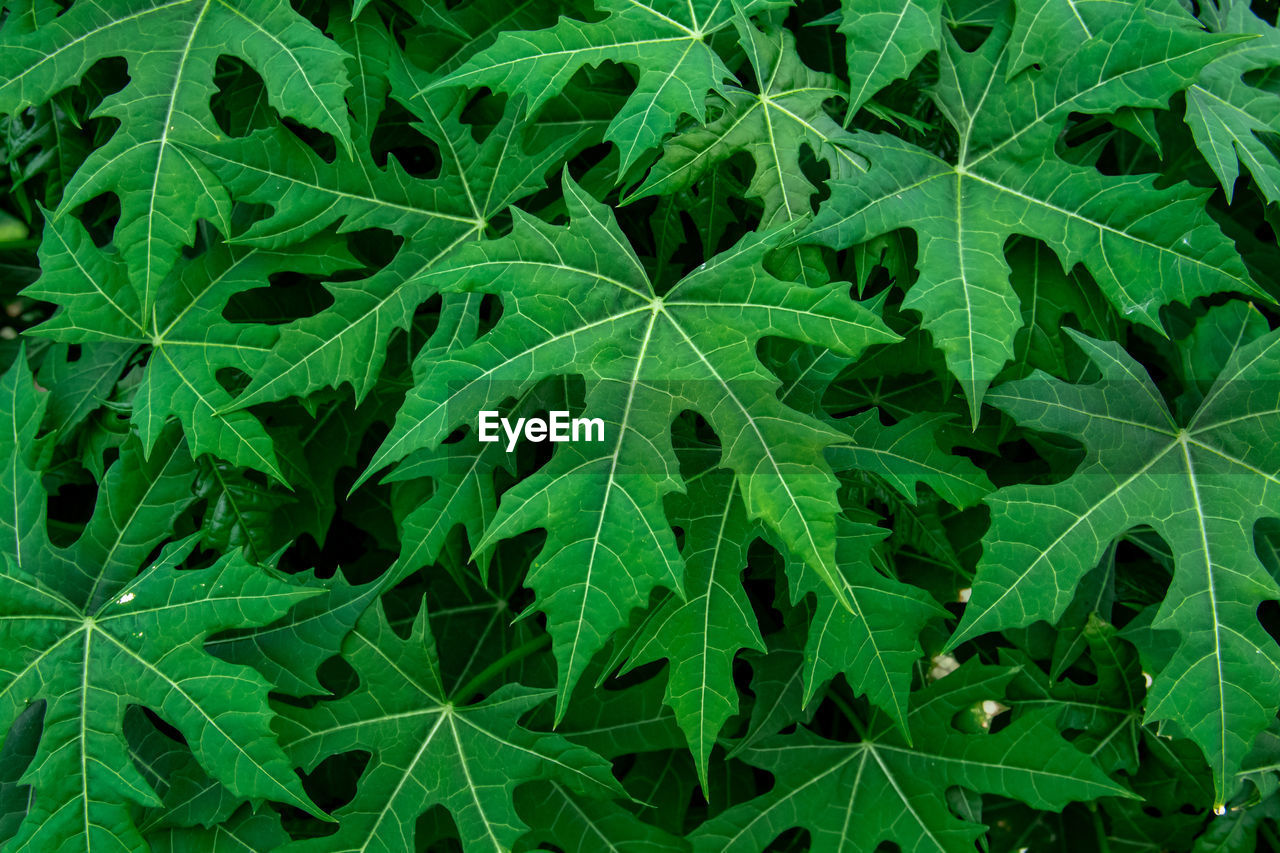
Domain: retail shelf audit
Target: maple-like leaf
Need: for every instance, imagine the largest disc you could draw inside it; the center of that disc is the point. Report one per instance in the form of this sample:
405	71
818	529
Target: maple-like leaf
1201	480
189	340
347	341
646	357
162	190
875	644
886	40
783	115
771	124
427	748
667	40
853	796
803	243
702	634
1230	118
1008	180
85	636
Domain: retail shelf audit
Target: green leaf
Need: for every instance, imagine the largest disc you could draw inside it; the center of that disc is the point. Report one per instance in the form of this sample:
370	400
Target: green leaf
857	795
245	832
189	340
141	646
874	644
665	39
770	124
1007	179
428	750
886	40
22	521
162	190
906	455
703	633
645	357
347	342
1231	119
578	825
289	651
82	384
1201	483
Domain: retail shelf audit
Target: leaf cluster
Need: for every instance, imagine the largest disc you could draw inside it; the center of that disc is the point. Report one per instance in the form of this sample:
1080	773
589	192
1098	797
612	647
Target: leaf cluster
934	344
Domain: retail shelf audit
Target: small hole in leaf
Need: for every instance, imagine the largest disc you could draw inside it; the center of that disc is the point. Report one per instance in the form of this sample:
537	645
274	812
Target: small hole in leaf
436	831
483	110
317	140
289	296
1266	543
239	106
622	765
374	247
490	312
395	137
765	585
99	216
161	726
105	77
332	784
233	380
70	508
1264	232
1080	675
819	173
1269	617
636	676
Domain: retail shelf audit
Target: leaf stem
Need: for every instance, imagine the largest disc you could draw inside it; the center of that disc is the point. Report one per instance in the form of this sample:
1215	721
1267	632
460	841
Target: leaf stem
517	654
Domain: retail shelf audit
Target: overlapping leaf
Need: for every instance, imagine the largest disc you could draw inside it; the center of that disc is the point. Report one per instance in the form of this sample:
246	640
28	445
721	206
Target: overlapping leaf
1202	482
161	189
428	750
253	207
853	796
347	342
85	636
703	633
772	123
1007	179
665	39
886	40
189	340
580	302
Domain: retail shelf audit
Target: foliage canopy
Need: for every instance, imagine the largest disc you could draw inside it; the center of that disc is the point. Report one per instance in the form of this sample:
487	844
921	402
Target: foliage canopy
934	348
